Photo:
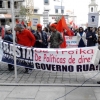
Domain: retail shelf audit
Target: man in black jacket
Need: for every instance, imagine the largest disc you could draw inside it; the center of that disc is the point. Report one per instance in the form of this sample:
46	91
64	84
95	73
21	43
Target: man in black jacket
41	38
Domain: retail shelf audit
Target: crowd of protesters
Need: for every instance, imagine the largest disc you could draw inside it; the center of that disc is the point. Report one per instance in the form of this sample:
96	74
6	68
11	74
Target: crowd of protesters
49	37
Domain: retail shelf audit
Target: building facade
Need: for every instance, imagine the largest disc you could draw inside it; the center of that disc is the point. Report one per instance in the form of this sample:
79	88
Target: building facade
54	8
5	11
93	7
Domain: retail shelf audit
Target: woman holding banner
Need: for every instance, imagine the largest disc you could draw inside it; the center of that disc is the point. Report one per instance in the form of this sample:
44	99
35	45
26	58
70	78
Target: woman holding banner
81	35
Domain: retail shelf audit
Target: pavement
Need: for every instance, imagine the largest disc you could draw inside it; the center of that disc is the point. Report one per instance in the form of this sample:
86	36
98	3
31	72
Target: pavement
42	85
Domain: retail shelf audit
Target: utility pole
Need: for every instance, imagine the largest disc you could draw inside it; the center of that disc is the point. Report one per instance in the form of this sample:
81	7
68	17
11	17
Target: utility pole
14	49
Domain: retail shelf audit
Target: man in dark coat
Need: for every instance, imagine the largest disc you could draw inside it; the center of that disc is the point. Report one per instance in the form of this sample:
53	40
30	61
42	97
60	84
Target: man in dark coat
41	37
91	37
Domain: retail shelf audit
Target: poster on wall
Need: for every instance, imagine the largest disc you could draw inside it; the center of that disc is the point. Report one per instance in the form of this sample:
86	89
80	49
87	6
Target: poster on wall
35	21
93	19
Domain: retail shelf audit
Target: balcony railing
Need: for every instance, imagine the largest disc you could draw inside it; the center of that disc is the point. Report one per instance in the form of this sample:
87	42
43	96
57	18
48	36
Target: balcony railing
7	10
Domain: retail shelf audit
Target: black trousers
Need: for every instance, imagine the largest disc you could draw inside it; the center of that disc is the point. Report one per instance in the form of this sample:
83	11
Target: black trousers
10	67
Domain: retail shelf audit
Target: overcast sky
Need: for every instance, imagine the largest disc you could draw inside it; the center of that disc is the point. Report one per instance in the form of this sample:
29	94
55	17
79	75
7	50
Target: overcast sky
80	8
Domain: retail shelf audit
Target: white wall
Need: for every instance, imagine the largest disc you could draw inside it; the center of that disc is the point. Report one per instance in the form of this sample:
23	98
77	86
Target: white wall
51	6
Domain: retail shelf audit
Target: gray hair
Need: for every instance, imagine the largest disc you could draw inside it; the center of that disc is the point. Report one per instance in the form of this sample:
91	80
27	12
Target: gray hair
19	26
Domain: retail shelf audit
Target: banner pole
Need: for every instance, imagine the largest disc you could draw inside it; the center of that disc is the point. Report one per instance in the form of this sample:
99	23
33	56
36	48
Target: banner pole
14	49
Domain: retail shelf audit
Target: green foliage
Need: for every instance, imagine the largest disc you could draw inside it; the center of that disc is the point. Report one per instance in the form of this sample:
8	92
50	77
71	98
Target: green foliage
23	11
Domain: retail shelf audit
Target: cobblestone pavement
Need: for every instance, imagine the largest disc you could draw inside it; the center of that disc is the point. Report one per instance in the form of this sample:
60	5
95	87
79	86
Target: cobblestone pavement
44	77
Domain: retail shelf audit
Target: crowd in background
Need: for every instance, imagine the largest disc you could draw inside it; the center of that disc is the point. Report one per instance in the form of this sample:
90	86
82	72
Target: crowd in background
48	37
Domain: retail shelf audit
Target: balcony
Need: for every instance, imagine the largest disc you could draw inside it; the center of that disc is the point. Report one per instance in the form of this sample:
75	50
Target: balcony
8	11
3	10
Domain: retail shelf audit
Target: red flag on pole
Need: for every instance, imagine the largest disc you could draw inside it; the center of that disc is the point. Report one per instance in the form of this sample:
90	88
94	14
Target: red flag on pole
61	26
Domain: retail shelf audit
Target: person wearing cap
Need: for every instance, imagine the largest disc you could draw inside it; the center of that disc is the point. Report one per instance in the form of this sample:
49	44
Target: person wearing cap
56	38
24	37
8	37
41	37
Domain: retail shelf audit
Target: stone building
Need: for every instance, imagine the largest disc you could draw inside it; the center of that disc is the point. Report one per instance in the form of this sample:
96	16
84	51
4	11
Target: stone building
5	10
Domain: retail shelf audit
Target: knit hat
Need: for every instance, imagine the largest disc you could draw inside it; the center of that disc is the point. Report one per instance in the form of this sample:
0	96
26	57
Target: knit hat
7	27
53	25
39	25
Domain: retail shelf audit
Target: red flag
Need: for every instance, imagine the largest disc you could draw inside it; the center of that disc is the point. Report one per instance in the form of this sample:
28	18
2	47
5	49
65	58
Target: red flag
61	25
71	22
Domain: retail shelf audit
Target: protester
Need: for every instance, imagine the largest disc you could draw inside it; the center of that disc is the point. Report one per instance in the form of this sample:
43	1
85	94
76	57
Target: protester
98	45
91	37
56	38
25	38
46	30
99	38
41	37
8	37
81	36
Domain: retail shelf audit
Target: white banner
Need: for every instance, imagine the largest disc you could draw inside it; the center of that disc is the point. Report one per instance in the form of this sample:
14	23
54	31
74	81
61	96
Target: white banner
72	42
62	60
65	60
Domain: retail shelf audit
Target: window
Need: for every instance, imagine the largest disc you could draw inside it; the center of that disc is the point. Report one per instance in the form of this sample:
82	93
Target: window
92	9
15	4
46	2
0	4
62	11
46	10
35	10
3	21
56	10
8	4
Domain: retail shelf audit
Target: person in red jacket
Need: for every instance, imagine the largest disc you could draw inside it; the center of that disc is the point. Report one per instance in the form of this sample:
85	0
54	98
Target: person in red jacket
24	37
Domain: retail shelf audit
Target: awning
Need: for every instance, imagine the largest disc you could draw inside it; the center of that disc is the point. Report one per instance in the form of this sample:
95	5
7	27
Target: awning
5	16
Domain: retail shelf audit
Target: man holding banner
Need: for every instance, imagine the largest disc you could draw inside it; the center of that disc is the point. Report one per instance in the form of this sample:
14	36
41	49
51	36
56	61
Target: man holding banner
56	38
25	38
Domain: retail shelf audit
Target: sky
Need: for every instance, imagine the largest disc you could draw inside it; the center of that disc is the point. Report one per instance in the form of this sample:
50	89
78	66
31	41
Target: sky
80	8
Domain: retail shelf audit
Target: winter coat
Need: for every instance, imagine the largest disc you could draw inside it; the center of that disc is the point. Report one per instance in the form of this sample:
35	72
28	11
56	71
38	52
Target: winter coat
81	40
8	37
25	38
56	40
43	37
91	41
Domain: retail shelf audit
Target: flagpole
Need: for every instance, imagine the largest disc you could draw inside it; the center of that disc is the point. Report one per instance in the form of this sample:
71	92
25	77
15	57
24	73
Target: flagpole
13	20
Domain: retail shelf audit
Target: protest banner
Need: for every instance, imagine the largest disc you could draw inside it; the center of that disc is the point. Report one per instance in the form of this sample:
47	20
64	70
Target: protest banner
24	55
62	60
71	41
